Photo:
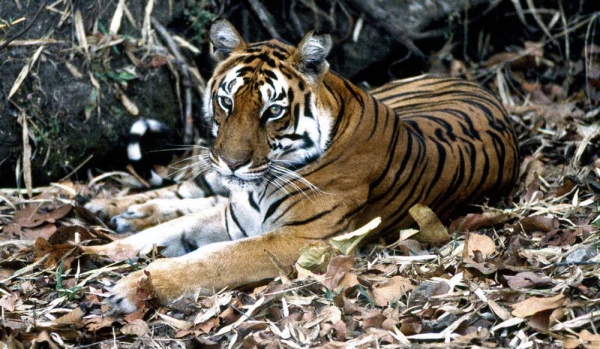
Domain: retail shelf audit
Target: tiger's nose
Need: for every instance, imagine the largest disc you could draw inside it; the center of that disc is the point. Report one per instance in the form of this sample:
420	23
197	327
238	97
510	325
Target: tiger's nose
234	164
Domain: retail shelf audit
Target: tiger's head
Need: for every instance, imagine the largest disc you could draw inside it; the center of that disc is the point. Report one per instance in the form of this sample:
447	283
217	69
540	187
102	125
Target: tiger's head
263	102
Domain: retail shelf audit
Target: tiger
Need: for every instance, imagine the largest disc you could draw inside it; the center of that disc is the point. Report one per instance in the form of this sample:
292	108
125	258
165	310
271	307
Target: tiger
300	155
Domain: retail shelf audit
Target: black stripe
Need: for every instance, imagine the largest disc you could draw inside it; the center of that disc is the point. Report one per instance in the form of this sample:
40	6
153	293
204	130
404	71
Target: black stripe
252	202
235	220
310	219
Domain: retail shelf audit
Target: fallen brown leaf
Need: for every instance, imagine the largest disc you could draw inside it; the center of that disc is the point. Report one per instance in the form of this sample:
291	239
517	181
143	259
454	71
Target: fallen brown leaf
543	320
8	302
432	231
482	243
74	317
590	340
336	270
534	305
393	289
137	327
476	221
527	280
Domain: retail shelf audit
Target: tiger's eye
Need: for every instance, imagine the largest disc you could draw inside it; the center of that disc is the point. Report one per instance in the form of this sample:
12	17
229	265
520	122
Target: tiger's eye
225	102
275	110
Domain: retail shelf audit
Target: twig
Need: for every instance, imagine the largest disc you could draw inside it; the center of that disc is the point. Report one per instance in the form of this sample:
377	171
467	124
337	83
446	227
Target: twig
85	161
265	18
35	16
26	156
188	133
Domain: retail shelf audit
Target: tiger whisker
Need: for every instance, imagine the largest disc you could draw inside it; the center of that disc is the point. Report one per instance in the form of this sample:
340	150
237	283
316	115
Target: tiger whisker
294	175
288	177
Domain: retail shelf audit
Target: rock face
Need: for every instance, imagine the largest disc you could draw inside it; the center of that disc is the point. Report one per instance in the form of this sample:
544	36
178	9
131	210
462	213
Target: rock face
78	103
93	78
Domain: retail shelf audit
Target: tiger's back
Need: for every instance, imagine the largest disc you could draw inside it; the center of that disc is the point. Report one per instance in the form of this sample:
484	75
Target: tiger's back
460	148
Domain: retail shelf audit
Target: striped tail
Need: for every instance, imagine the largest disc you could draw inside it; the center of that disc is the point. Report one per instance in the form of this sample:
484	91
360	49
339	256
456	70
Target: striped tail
143	132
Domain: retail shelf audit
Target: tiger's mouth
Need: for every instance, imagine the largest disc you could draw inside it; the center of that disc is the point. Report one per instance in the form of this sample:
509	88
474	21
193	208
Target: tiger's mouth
240	174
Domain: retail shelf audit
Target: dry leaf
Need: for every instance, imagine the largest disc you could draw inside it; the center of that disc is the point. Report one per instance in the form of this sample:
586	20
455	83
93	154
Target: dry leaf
476	221
137	327
500	311
29	217
316	257
72	318
25	71
8	302
336	270
534	305
411	326
543	320
527	280
590	340
346	243
392	290
482	243
431	229
539	223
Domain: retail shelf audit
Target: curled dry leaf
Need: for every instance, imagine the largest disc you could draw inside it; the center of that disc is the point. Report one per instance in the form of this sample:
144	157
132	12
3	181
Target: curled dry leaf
476	221
411	325
543	320
534	305
348	242
432	229
538	223
316	257
527	280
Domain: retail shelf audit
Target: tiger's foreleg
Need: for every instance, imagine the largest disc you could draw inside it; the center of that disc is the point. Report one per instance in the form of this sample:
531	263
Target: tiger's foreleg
108	208
157	211
214	267
176	237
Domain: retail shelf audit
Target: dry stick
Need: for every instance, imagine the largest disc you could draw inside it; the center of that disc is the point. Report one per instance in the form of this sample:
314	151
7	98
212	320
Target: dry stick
265	18
26	156
187	81
4	44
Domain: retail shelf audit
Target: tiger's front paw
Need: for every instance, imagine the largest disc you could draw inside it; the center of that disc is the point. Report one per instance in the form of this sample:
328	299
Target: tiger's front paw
161	282
123	299
136	218
116	250
105	208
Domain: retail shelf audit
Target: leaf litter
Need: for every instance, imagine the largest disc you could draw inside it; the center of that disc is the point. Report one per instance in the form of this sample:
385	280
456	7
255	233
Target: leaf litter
523	274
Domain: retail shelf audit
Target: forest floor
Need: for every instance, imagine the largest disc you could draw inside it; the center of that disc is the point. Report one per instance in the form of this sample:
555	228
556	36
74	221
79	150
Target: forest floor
519	275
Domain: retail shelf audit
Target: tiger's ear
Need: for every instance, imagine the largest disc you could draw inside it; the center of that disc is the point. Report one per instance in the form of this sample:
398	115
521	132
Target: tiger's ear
225	39
310	54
